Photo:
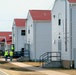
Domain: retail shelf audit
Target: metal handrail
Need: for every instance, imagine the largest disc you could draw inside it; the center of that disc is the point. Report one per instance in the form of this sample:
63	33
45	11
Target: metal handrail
48	55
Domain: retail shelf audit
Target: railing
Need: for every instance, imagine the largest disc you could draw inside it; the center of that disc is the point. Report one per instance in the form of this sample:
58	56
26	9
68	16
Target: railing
49	56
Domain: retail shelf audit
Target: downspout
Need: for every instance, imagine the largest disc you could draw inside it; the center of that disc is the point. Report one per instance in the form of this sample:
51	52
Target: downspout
65	25
35	39
71	65
70	31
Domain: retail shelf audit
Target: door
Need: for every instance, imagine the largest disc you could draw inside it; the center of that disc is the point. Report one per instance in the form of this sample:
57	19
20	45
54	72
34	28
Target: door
27	50
59	49
27	47
59	45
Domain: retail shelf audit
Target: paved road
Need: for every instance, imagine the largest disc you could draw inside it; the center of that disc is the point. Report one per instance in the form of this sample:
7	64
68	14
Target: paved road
3	73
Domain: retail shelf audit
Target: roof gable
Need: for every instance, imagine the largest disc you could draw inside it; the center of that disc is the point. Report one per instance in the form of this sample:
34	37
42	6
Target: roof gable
40	14
20	22
6	35
72	1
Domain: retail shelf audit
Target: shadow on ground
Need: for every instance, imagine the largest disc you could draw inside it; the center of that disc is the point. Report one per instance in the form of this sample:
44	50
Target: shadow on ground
8	66
16	69
3	62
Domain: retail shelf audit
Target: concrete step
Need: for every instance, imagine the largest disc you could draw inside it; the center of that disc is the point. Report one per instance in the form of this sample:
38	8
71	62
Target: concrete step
52	64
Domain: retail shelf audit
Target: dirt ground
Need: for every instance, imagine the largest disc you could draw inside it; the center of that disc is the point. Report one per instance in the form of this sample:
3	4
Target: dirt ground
68	71
15	70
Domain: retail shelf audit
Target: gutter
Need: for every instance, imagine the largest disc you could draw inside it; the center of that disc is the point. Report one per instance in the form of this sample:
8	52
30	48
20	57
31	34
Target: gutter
71	65
65	25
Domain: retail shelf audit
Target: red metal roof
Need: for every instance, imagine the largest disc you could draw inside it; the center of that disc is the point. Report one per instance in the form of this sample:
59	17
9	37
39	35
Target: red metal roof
40	14
20	22
1	39
7	36
72	1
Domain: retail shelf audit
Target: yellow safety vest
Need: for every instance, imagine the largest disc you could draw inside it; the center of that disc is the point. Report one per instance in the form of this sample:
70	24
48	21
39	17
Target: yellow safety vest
6	53
11	53
12	48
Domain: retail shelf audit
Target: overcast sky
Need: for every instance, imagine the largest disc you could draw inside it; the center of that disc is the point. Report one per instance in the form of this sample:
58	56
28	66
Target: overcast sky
10	9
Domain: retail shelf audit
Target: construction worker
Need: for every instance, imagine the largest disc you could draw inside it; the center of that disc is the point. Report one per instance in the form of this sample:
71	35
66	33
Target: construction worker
11	55
12	48
6	55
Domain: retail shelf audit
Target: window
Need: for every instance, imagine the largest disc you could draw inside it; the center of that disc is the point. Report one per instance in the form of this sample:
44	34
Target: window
22	32
59	21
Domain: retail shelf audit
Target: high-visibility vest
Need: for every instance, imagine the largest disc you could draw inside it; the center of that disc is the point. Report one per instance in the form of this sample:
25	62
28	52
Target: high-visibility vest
11	53
6	53
12	48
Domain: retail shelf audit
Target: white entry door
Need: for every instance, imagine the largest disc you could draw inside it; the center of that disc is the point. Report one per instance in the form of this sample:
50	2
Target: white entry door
59	45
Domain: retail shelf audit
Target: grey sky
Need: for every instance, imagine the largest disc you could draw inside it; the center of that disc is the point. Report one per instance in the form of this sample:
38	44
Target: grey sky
10	9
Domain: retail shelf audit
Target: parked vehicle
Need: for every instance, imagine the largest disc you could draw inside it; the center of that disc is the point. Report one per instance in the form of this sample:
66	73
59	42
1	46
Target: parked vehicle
17	54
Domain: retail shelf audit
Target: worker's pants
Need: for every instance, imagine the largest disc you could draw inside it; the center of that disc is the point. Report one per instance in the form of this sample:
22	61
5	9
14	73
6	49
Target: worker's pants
6	57
11	58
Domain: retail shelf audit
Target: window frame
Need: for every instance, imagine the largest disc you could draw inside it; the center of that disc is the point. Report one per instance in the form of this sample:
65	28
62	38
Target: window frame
23	32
